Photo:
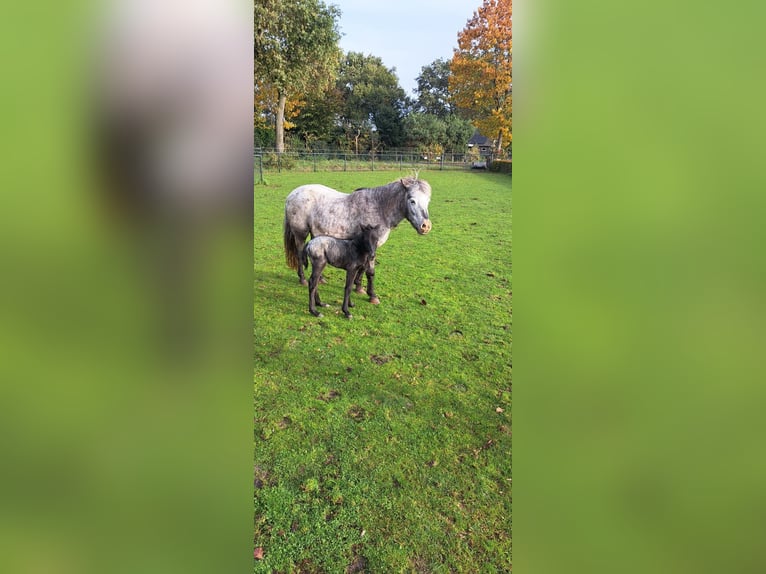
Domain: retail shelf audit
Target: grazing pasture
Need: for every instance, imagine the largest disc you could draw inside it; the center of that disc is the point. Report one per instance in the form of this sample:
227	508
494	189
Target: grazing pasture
383	444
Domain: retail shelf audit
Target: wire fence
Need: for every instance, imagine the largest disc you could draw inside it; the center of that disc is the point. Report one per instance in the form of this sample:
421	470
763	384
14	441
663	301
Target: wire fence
269	161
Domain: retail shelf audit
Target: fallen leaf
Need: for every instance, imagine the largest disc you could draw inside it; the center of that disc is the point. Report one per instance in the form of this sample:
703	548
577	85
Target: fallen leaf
499	410
258	553
423	302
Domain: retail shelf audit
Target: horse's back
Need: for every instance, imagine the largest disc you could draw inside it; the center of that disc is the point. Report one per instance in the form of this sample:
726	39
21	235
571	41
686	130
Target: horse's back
311	193
320	210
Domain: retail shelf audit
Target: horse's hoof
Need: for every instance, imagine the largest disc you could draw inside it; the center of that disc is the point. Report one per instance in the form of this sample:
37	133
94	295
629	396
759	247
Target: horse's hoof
374	300
360	290
303	282
323	304
349	316
318	315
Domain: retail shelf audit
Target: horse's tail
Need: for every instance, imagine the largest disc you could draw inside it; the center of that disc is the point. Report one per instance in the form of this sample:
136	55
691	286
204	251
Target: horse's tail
290	246
304	251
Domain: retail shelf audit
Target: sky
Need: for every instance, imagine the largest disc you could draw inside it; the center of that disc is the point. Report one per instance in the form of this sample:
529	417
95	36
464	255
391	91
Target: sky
405	34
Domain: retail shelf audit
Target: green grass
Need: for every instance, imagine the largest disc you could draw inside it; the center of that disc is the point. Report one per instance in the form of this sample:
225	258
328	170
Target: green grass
383	443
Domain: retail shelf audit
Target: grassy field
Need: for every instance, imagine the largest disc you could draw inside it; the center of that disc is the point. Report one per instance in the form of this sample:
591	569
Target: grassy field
383	443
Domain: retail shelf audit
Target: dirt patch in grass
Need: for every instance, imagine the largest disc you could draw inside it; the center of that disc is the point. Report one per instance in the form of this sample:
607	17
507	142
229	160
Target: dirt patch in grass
357	413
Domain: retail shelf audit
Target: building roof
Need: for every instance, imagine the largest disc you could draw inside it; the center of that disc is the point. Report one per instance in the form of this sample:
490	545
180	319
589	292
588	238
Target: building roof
479	140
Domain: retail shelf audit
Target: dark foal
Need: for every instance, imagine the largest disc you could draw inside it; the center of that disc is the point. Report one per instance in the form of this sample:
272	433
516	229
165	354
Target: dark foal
354	255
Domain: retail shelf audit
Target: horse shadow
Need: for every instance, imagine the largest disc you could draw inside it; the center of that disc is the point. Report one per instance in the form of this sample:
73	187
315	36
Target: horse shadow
283	290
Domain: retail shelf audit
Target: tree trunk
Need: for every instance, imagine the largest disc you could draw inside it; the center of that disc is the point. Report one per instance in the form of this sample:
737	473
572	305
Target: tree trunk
499	142
280	135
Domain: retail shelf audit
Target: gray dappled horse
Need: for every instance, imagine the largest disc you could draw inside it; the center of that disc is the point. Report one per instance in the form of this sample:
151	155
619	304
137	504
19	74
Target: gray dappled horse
354	255
316	209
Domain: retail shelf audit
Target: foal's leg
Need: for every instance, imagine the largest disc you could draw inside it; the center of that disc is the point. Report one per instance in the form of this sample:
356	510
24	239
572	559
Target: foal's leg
316	271
321	280
358	282
312	297
350	275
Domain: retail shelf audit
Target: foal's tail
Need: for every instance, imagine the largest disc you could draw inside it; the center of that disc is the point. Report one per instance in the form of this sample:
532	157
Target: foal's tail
290	246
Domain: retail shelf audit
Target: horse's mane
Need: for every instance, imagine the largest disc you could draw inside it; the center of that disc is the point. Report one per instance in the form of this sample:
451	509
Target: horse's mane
398	187
393	194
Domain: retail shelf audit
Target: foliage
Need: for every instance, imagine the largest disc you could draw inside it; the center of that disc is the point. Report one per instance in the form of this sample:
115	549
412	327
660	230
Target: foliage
501	166
372	100
433	89
434	134
458	132
265	103
295	51
481	83
383	443
263	136
278	161
318	118
426	131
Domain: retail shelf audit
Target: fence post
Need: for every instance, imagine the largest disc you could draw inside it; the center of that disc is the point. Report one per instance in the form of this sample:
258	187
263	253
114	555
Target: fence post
344	162
372	161
313	155
260	169
279	162
441	167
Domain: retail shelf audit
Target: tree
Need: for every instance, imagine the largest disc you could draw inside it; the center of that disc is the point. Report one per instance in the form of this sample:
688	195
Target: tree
435	135
481	84
457	132
427	132
295	50
433	89
373	101
318	118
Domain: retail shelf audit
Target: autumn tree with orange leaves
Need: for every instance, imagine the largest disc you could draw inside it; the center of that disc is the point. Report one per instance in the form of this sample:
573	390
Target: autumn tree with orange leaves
481	84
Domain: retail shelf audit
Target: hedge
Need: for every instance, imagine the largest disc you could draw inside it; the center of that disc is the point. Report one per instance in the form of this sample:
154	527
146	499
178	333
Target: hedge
501	166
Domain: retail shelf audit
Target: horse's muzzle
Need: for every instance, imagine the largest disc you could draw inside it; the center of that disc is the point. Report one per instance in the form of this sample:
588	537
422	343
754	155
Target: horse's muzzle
425	227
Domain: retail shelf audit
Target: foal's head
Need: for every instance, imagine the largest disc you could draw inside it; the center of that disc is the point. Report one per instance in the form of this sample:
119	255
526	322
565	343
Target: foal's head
369	239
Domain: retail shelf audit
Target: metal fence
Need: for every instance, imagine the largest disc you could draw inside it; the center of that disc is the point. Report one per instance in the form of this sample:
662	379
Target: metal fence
268	161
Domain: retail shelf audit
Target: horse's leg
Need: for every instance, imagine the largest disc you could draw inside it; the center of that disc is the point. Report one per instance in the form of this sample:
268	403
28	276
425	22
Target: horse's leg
350	275
370	271
316	298
300	244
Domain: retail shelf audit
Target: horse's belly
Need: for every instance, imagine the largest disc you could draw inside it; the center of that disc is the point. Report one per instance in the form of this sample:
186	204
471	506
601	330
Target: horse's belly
384	237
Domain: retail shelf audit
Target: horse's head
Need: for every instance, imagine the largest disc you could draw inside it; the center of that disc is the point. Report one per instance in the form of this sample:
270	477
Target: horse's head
418	197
